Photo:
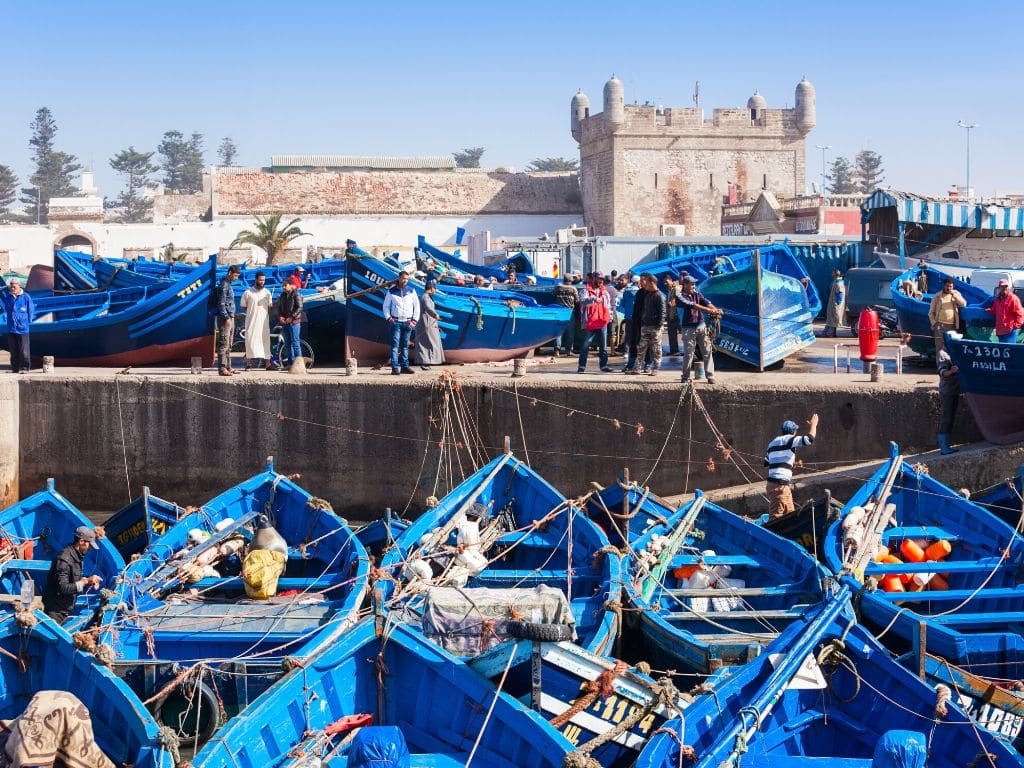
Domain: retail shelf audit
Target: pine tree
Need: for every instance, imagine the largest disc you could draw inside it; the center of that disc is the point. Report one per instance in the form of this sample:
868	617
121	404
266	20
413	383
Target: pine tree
55	171
136	167
840	180
227	151
8	192
182	162
868	171
469	157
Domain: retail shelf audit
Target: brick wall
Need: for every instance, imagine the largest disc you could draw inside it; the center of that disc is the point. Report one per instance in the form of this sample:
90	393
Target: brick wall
465	191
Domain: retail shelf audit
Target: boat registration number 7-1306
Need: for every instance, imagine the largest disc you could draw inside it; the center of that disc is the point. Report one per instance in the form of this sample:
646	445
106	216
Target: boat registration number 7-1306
992	352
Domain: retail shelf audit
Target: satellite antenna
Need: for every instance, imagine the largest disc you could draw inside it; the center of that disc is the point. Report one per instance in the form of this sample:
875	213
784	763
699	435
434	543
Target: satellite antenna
696	94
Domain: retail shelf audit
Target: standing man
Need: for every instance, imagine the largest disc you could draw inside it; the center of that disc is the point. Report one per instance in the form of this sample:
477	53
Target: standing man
226	320
595	315
65	582
429	349
297	277
256	303
401	312
1006	308
351	249
672	304
836	310
693	330
949	399
18	308
651	317
289	314
944	312
780	459
569	297
613	297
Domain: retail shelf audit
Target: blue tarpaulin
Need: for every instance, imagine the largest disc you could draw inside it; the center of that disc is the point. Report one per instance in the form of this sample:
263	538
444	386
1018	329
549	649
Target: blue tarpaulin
901	749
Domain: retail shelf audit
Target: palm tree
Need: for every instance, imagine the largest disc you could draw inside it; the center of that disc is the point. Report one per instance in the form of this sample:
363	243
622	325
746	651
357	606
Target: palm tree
270	236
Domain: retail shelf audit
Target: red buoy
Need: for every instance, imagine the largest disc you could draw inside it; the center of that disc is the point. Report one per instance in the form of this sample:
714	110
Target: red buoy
867	335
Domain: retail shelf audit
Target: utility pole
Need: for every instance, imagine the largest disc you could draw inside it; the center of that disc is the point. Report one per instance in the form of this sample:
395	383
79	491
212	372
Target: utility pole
968	127
823	147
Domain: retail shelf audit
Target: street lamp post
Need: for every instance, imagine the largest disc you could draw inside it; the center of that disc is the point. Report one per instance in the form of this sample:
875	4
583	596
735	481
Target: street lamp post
823	147
968	127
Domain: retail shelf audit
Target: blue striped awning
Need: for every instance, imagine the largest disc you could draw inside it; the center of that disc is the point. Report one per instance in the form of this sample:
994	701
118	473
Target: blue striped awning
944	213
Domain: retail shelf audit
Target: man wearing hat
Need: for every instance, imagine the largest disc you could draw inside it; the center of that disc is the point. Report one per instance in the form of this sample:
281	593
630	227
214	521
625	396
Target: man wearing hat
595	315
693	331
17	306
780	458
65	582
1005	306
298	277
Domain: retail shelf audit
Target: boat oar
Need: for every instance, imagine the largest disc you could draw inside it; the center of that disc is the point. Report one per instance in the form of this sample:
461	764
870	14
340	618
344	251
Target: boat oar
678	536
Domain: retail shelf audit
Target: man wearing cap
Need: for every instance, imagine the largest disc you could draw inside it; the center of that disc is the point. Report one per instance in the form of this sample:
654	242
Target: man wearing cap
65	582
1005	306
401	312
595	315
351	249
780	458
693	331
226	320
18	308
944	312
297	277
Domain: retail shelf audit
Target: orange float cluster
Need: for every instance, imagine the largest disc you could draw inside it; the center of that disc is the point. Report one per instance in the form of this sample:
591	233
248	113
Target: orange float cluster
915	552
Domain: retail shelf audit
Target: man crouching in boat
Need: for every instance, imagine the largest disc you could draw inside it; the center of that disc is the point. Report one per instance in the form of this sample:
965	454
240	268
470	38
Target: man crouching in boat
780	459
64	582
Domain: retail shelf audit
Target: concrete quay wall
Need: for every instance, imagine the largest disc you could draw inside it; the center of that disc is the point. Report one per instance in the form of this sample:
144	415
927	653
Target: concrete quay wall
368	442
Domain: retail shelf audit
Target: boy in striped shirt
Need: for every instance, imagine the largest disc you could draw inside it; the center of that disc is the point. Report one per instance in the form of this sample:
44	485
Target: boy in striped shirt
780	459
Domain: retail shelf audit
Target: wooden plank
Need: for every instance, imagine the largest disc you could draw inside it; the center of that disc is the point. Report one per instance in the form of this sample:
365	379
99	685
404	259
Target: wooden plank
996	620
952	595
781	591
734	638
985	565
918	532
791	613
734	560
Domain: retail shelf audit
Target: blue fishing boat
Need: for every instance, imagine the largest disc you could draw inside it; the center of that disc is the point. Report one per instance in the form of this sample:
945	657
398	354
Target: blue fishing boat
1004	499
379	536
147	325
913	311
991	376
34	531
829	695
947	572
396	699
712	588
135	526
504	538
38	655
625	510
604	707
766	294
73	272
476	327
196	599
519	263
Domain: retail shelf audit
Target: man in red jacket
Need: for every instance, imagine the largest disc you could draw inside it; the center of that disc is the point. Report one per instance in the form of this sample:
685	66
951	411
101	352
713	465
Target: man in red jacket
1006	308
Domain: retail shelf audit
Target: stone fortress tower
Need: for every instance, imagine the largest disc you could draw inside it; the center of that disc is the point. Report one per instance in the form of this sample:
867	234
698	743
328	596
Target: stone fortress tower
642	167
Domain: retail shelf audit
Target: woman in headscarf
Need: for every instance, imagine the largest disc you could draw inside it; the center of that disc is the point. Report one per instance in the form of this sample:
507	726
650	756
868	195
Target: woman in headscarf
835	313
428	333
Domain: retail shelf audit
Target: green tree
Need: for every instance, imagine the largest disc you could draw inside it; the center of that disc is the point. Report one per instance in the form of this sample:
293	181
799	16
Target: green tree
8	192
136	168
469	157
867	169
227	151
270	235
182	162
840	180
55	171
553	164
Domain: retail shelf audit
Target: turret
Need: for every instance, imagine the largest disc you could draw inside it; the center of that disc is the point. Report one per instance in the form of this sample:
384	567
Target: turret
757	105
806	116
614	102
580	111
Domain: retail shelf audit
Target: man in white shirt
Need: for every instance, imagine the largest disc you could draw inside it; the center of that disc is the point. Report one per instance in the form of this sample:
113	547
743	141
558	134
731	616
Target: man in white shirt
401	312
256	302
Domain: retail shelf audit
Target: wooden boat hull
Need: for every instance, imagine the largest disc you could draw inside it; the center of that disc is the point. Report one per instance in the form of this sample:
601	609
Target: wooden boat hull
136	525
475	328
73	272
438	704
44	658
828	695
1004	500
913	313
991	376
522	265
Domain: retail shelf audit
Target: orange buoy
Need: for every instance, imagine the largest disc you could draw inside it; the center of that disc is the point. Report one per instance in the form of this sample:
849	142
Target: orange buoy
28	549
912	551
893	583
938	583
868	330
883	553
685	571
940	550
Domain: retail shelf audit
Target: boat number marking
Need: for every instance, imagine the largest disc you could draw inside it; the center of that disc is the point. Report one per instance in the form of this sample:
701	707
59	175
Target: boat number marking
613	709
189	288
158	527
979	351
992	718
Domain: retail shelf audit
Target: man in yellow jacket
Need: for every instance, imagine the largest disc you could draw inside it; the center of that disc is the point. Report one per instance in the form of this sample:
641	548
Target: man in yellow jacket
944	312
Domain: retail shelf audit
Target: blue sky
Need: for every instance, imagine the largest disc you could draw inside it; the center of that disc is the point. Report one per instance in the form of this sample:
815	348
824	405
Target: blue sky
423	78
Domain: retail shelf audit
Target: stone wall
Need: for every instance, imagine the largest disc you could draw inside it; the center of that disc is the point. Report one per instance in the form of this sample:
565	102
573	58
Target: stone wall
366	443
174	209
464	191
10	458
